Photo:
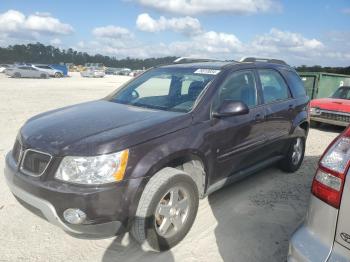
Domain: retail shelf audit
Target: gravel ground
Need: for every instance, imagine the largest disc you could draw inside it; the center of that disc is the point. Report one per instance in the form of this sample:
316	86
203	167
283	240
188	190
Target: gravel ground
249	221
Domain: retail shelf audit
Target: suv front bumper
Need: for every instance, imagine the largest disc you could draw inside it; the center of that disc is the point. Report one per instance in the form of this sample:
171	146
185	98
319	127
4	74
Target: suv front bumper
107	208
50	214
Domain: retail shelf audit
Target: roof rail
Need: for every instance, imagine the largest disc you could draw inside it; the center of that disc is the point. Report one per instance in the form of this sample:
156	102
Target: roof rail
183	60
259	59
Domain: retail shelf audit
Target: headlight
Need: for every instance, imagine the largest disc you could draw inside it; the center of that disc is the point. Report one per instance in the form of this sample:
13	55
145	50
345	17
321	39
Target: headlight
93	170
315	111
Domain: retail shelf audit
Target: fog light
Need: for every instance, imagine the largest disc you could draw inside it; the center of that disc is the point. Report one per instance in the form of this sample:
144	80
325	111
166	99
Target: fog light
74	216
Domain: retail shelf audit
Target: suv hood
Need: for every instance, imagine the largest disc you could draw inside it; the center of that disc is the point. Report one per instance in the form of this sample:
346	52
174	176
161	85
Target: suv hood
97	127
333	104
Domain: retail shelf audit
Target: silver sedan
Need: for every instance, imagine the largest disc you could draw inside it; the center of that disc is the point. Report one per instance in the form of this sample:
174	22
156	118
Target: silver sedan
26	71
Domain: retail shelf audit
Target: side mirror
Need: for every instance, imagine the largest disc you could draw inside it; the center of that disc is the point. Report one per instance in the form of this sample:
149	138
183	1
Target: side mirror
231	108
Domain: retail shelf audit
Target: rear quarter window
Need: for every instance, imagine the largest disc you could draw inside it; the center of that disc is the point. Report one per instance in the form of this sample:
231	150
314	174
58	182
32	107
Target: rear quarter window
295	83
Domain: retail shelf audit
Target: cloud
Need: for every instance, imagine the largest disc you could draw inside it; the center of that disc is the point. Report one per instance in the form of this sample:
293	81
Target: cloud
14	23
277	41
47	24
187	25
209	43
11	21
110	40
113	32
291	46
214	44
55	41
191	7
198	42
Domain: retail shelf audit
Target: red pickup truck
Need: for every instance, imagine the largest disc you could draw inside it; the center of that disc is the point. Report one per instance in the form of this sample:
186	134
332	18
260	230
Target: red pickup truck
333	110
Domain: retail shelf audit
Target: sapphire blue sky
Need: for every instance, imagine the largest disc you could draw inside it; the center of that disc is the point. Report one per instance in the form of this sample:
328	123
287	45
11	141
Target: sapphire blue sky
302	32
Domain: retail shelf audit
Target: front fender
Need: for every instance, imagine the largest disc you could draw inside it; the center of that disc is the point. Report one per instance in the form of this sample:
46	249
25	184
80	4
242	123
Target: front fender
148	158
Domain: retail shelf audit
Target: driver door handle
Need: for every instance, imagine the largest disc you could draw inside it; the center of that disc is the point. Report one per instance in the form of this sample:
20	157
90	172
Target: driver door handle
259	117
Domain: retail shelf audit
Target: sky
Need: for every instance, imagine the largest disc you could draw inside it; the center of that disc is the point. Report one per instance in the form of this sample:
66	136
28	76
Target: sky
302	32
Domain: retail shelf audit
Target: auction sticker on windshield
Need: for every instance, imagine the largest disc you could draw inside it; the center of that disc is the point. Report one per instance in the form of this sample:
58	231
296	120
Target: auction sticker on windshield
207	71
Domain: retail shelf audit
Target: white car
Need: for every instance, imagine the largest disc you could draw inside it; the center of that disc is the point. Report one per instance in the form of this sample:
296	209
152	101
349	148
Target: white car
325	234
3	67
49	70
93	72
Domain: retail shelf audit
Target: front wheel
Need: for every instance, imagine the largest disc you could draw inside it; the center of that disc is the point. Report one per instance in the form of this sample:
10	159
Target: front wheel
295	155
166	211
58	75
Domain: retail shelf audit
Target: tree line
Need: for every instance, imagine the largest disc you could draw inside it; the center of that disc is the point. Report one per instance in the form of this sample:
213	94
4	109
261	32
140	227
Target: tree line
47	54
318	68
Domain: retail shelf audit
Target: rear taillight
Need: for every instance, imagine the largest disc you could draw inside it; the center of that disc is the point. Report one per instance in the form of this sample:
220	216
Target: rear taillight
328	187
330	177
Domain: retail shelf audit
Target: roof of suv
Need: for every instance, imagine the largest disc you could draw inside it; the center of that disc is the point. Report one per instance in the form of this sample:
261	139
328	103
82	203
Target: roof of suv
225	64
209	65
185	62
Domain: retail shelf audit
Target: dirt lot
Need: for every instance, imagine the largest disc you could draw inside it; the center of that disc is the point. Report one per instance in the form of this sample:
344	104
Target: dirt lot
248	221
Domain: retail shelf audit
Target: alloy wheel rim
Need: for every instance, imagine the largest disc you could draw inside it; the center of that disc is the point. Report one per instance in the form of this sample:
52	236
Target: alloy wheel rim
297	151
172	212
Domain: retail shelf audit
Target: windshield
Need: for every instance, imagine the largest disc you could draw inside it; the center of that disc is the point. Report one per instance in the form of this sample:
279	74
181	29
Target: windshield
170	89
342	93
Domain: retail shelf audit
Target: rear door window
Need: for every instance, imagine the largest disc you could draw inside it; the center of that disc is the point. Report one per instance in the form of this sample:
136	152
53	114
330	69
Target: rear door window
274	87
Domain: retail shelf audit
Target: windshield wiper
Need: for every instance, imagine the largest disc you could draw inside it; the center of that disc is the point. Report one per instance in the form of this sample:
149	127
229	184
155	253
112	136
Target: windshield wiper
150	106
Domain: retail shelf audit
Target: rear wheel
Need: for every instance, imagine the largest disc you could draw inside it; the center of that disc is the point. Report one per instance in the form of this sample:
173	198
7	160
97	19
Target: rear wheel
166	211
17	75
295	155
43	76
58	75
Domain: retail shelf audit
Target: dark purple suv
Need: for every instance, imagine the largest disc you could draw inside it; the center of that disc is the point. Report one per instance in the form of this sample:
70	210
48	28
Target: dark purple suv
141	158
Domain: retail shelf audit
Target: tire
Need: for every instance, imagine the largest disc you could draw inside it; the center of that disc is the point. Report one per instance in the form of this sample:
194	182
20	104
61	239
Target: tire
295	156
17	75
58	75
43	76
148	222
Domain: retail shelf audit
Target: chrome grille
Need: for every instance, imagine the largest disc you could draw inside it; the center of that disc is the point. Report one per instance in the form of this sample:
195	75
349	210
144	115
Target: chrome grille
335	116
34	162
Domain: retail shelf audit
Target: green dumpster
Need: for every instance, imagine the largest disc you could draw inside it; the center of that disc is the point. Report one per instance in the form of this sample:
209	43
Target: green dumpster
318	84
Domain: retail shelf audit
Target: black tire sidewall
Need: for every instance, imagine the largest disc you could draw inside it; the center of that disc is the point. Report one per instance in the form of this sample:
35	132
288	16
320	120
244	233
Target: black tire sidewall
154	239
287	165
